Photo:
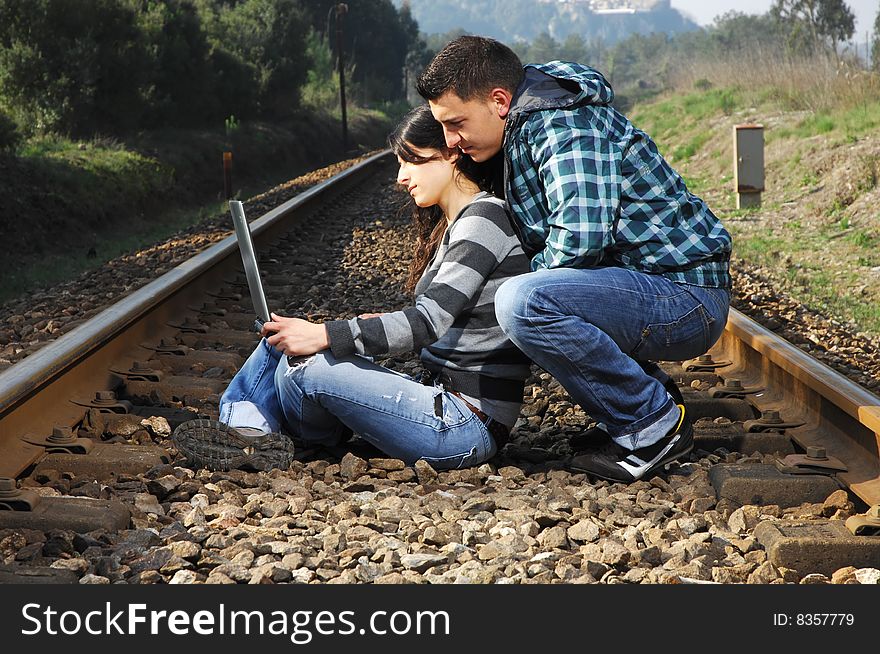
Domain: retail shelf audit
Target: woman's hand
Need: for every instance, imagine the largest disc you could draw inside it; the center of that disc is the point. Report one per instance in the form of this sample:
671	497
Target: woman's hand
364	316
294	336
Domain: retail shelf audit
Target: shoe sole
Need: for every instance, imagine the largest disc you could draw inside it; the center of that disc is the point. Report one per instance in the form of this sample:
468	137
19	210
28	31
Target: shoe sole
217	446
671	458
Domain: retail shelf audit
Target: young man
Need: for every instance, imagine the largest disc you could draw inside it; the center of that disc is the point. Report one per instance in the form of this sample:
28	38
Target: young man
628	267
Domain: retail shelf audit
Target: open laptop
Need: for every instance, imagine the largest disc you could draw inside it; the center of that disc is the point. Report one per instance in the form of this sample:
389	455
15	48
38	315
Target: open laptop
246	246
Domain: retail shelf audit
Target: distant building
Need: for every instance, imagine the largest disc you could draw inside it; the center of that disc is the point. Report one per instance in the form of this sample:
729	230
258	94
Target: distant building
616	6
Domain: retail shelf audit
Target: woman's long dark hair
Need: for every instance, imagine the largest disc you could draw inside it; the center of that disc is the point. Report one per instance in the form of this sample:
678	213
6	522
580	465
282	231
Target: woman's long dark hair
418	129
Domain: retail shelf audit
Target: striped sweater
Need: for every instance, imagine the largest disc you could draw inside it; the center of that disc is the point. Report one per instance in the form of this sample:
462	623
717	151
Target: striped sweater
452	323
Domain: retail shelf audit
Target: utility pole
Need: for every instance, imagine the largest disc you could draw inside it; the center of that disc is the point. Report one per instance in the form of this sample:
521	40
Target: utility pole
341	9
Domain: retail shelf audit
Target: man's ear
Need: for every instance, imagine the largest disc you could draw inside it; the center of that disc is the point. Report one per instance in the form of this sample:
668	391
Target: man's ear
451	154
501	98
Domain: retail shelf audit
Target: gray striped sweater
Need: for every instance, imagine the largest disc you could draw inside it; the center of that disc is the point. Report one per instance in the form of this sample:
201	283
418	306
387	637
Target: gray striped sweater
452	324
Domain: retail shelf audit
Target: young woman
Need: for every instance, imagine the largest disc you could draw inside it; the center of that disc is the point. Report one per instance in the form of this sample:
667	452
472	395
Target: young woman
327	385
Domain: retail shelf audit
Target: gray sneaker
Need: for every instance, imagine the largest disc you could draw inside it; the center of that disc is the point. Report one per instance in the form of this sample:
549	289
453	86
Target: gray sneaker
217	446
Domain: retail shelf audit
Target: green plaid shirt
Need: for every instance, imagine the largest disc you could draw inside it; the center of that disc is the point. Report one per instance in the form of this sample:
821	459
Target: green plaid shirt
588	189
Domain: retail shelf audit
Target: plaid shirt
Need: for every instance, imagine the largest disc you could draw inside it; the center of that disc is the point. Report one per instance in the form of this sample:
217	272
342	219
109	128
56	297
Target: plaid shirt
588	189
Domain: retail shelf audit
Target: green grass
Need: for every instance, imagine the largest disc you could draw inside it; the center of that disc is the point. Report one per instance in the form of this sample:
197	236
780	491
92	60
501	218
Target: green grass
53	268
689	149
682	125
849	124
761	248
862	239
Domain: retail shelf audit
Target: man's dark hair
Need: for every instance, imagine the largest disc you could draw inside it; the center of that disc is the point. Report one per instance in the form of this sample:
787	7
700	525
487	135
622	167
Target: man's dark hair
470	66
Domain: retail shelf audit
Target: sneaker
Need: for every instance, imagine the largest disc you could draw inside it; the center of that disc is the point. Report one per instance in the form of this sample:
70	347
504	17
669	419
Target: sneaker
217	446
614	463
598	437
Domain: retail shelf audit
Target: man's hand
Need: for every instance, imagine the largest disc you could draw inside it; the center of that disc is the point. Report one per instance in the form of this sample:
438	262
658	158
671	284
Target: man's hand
294	336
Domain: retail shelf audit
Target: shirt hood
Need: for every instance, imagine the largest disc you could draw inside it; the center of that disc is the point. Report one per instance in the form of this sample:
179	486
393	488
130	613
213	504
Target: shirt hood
558	85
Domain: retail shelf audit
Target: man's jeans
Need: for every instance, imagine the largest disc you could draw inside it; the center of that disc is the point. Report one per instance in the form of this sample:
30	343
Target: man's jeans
597	330
319	399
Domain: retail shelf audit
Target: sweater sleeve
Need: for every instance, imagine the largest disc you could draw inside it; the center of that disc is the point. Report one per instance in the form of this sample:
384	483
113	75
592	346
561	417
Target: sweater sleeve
478	242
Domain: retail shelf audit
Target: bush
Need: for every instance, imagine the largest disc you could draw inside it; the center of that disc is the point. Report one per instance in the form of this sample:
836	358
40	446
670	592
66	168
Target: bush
10	137
269	37
73	69
181	76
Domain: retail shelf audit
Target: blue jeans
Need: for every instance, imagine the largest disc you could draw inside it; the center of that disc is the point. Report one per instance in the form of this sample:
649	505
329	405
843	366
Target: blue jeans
596	331
320	398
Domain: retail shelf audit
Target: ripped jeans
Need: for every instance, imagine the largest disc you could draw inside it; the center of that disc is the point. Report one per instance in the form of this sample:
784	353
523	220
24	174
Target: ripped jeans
319	399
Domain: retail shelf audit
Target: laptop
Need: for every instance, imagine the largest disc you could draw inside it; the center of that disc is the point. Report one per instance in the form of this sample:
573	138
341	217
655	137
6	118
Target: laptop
249	259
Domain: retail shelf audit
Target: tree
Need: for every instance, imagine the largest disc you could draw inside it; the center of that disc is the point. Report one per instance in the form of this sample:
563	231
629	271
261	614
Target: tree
181	80
270	37
875	48
376	41
734	32
836	22
544	48
574	48
75	70
417	54
815	24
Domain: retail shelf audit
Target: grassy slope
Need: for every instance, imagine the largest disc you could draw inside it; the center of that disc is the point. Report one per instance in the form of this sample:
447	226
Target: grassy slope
818	228
70	206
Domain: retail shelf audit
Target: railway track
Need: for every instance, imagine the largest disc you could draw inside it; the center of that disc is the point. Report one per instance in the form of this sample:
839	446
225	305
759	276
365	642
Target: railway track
787	449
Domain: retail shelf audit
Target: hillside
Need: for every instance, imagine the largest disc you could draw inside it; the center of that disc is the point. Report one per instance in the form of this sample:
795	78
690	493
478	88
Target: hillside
73	205
816	235
510	20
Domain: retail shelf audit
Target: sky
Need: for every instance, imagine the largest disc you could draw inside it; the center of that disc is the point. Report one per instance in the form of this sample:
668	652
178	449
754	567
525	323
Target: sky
704	12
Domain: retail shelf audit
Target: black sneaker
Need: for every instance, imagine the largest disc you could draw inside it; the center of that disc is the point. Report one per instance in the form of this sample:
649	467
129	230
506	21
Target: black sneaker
615	463
597	436
217	446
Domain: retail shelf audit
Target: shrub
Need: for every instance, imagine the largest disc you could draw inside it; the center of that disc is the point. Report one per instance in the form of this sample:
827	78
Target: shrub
10	137
74	70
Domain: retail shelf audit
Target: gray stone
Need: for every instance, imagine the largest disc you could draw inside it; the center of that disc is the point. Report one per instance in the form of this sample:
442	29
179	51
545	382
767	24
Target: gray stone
195	517
868	576
815	578
744	519
274	508
217	577
422	562
512	473
479	503
764	574
186	549
184	577
157	425
387	464
553	538
845	575
94	580
352	467
585	531
163	486
614	553
424	472
80	566
435	536
837	501
148	503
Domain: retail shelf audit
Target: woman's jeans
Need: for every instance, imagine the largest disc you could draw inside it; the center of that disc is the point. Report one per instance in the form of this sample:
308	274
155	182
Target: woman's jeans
597	331
320	398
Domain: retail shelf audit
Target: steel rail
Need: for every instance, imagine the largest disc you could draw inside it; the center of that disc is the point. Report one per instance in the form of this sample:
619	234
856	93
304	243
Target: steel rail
40	391
839	415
